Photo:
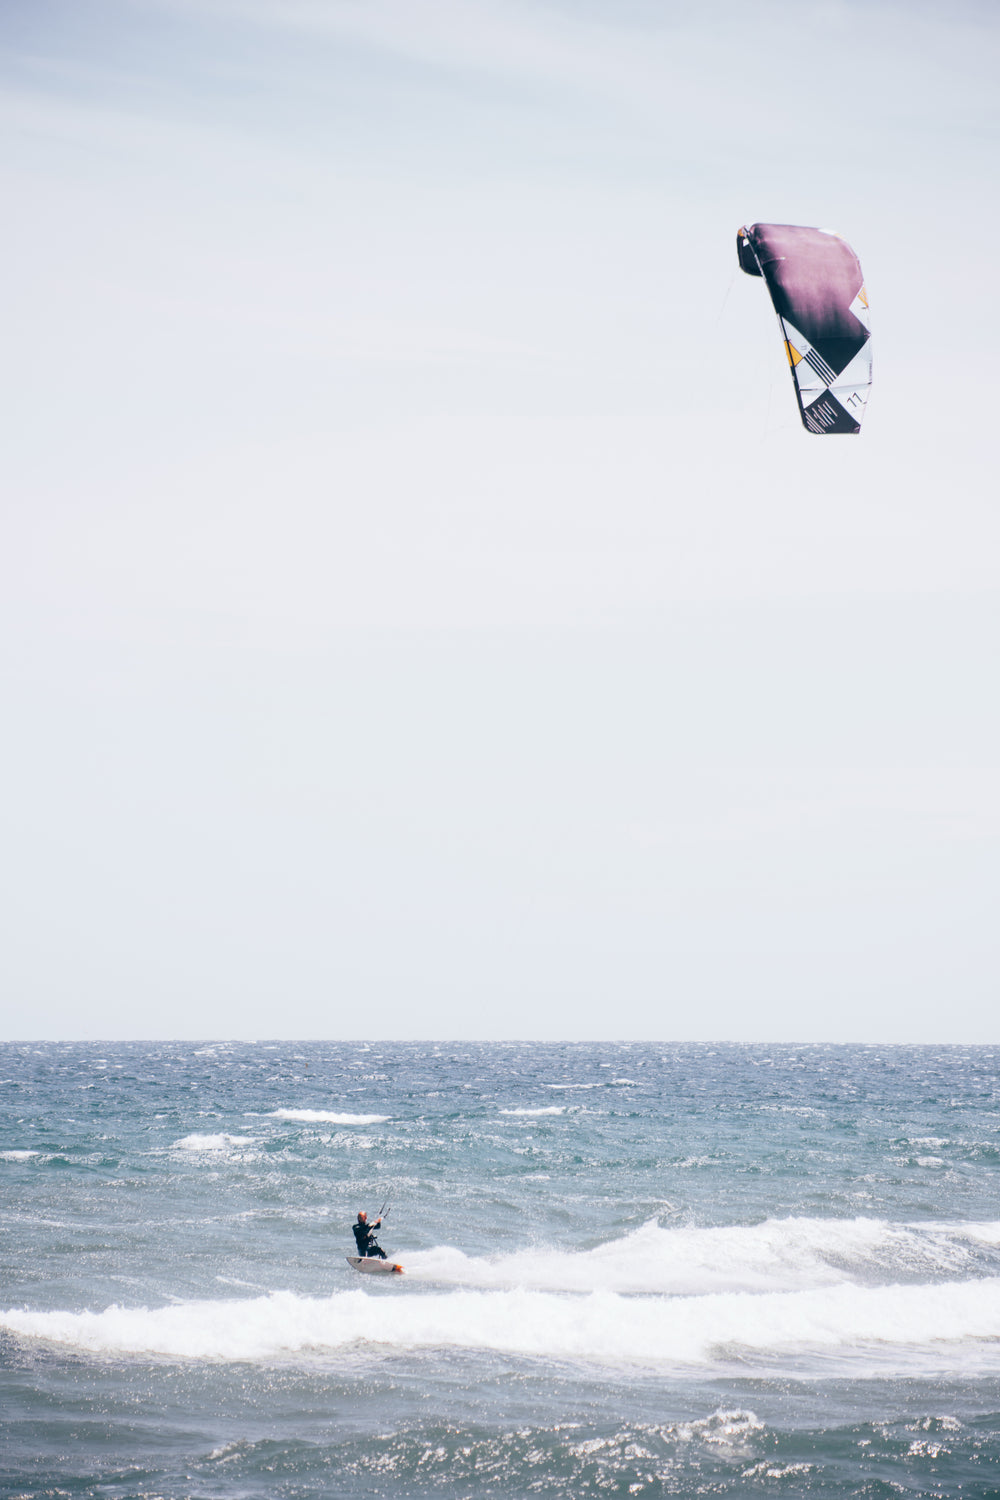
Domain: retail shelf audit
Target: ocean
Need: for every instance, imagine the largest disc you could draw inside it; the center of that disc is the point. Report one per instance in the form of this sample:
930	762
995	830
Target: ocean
631	1269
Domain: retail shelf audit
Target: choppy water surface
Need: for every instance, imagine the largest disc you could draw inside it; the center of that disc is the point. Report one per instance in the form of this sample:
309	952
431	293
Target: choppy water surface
630	1269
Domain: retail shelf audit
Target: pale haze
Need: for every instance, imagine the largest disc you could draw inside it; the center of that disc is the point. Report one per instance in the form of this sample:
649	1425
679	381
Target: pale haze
424	614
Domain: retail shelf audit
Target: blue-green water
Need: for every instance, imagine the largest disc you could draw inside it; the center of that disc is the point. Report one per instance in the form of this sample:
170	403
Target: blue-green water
630	1270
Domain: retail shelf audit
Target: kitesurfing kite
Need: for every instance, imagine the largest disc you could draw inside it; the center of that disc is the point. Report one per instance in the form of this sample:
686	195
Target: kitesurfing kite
818	292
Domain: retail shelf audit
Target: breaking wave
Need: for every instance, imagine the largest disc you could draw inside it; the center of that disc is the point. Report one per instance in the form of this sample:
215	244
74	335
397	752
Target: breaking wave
899	1327
862	1294
794	1254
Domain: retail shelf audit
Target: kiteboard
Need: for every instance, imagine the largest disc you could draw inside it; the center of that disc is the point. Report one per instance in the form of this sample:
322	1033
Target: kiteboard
372	1263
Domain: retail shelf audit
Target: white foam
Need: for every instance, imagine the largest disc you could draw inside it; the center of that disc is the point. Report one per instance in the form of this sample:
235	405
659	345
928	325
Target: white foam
985	1234
326	1117
899	1327
212	1142
777	1255
549	1109
17	1155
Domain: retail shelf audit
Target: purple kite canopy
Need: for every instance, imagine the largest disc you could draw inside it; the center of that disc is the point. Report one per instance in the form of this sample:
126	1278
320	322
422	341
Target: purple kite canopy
818	291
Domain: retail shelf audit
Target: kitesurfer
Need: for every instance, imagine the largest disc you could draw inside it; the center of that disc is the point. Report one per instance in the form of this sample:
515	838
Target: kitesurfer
364	1236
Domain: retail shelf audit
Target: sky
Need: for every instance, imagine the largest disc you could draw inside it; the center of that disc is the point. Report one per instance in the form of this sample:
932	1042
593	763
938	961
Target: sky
423	614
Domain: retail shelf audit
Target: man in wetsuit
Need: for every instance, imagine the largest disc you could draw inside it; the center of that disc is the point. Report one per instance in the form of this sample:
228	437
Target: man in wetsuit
365	1237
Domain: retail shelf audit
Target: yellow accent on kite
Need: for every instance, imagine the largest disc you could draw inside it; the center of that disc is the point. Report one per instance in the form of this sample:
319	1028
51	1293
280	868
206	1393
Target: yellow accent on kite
863	297
794	357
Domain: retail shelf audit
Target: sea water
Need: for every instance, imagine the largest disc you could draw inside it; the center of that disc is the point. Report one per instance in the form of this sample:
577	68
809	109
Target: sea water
631	1269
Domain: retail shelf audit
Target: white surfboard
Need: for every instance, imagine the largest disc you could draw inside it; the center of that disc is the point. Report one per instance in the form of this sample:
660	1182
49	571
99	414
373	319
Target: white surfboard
372	1263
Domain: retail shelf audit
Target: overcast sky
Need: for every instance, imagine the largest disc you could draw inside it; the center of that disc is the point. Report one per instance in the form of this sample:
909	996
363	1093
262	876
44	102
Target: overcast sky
423	612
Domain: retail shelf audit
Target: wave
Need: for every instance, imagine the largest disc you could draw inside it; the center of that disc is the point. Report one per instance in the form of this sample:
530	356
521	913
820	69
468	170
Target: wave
220	1142
17	1155
326	1117
778	1255
548	1109
940	1327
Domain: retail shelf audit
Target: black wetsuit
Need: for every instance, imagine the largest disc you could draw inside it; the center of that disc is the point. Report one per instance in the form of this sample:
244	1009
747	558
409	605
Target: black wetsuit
366	1242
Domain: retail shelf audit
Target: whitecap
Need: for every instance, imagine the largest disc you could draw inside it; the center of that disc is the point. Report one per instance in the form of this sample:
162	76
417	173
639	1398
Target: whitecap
17	1155
723	1428
770	1469
229	1451
221	1142
326	1117
549	1109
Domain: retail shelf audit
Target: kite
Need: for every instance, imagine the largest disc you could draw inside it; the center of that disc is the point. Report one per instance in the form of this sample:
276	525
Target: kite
818	292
